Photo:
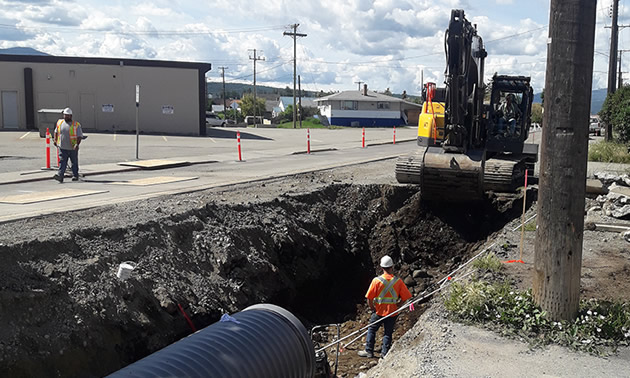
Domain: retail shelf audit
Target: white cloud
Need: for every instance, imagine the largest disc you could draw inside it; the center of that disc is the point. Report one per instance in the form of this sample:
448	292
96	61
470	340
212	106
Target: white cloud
383	42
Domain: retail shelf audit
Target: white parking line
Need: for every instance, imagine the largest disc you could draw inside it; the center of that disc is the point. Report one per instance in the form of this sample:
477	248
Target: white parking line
25	135
163	137
213	141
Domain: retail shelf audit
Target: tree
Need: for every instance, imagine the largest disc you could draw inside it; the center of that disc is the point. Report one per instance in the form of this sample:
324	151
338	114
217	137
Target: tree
230	115
537	113
247	105
616	112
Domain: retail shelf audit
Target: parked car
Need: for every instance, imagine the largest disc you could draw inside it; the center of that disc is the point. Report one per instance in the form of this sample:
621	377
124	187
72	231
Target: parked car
595	127
213	120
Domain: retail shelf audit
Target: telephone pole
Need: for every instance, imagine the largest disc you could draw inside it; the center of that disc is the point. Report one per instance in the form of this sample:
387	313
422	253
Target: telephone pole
255	58
559	233
612	59
359	83
620	82
300	100
224	102
294	35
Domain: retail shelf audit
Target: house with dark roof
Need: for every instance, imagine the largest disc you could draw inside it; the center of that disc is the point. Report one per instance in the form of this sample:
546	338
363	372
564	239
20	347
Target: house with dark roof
367	109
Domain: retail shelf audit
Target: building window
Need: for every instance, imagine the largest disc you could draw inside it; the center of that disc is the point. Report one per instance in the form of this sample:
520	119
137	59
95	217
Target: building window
349	105
382	105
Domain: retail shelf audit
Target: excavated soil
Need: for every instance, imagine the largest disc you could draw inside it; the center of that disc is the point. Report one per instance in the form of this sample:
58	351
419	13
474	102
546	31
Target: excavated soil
297	242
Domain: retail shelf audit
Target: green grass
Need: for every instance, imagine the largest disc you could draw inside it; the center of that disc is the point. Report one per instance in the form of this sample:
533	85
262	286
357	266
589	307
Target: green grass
531	225
490	263
599	328
608	152
309	123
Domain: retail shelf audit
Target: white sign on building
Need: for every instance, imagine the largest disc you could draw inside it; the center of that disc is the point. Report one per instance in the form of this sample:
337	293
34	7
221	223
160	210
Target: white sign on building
168	109
108	108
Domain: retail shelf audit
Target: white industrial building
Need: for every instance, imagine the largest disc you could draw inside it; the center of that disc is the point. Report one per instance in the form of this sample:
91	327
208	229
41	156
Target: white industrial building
102	93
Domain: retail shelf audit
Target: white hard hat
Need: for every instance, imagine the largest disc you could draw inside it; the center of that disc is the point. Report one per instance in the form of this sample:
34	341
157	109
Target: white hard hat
67	111
387	262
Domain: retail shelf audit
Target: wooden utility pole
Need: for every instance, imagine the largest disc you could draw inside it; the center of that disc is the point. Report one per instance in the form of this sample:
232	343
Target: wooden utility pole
564	147
620	82
612	58
255	58
300	100
294	34
224	102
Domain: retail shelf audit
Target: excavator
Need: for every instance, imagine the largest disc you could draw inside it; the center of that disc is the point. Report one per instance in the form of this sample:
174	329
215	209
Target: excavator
470	142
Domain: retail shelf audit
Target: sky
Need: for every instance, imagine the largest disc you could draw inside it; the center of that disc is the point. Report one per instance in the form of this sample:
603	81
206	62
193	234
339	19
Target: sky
393	44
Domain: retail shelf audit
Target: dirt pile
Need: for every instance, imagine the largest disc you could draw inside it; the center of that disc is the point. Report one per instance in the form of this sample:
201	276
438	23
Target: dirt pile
64	312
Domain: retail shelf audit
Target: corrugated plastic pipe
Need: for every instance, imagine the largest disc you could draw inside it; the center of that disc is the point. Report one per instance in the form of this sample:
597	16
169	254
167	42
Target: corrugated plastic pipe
261	341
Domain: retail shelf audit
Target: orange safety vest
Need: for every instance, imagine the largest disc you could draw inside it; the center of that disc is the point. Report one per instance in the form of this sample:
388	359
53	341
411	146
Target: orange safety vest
73	132
387	291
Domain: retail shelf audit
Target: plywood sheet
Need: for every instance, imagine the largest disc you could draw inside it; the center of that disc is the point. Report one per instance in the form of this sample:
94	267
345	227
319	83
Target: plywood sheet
154	180
52	195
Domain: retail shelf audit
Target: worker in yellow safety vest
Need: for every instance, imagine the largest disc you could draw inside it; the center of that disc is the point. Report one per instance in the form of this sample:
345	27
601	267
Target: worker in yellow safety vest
386	292
68	135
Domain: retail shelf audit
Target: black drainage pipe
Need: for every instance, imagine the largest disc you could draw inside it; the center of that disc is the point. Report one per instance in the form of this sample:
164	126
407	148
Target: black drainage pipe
261	341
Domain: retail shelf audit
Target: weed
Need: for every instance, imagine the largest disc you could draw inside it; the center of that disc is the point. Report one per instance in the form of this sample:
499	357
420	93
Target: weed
608	152
599	326
489	262
531	225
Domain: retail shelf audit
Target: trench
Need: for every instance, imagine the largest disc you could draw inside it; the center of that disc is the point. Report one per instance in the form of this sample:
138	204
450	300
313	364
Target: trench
64	312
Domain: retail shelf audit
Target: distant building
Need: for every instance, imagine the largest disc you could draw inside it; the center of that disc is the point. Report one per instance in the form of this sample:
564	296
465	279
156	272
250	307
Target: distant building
367	109
102	93
285	101
217	108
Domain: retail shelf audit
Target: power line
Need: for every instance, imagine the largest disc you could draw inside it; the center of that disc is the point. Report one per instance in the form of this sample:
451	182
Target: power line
148	32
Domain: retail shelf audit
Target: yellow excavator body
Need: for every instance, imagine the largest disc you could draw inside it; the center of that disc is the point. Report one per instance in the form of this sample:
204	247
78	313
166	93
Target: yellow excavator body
431	124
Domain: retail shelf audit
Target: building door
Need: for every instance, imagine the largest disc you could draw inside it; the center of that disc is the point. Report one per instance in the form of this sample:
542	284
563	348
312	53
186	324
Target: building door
87	115
9	110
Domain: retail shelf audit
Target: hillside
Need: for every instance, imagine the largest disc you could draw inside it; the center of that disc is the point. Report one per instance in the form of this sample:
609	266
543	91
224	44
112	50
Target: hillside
597	99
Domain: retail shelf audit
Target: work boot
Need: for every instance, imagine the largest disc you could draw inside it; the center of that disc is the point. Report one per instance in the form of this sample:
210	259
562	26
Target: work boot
58	178
365	353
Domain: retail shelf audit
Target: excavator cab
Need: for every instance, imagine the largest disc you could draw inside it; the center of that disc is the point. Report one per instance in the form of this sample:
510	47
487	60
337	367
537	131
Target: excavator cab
507	131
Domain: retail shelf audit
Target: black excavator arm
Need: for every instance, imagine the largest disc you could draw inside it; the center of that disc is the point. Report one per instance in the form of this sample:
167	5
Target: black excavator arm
465	57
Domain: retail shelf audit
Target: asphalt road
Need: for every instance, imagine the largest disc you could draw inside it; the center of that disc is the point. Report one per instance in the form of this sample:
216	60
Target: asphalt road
266	153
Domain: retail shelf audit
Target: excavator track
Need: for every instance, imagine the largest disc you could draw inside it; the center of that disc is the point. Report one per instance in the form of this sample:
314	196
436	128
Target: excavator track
503	175
409	168
443	176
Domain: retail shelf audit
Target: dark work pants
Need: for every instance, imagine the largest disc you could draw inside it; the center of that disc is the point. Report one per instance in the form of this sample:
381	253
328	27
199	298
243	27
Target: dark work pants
388	323
73	155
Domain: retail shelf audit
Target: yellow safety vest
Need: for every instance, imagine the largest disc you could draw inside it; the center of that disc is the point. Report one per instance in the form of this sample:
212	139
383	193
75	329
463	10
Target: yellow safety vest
73	132
388	287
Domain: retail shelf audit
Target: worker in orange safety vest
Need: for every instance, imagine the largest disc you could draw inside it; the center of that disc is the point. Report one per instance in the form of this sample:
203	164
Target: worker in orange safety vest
68	135
386	292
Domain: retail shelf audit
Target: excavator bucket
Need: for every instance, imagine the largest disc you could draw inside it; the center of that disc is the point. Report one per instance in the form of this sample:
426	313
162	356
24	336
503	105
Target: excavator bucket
444	176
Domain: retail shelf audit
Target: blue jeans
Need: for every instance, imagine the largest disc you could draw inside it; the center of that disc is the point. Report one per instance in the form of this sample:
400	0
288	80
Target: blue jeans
511	123
387	338
73	155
